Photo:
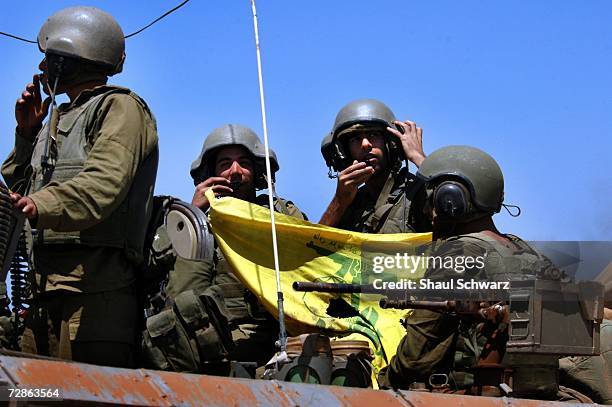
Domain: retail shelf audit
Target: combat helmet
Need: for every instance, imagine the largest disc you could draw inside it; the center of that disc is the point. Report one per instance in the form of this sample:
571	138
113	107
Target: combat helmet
84	33
229	135
360	111
474	168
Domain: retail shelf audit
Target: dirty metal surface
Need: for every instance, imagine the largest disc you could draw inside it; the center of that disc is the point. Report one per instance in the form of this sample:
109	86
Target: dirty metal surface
84	384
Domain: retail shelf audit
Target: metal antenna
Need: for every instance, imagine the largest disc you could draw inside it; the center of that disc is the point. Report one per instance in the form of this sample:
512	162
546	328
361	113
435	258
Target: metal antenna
281	312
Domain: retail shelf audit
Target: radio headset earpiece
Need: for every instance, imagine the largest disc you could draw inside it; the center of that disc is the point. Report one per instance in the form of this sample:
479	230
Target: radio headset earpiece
451	200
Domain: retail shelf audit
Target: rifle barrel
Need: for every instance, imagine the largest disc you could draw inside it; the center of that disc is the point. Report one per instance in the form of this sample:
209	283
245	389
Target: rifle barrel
440	306
306	286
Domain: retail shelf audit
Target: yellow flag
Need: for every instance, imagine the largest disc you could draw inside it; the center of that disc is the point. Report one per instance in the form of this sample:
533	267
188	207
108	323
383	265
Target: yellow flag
308	252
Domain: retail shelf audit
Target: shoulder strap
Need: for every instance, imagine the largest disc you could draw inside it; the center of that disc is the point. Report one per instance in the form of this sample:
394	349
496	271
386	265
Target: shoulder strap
280	205
383	204
404	190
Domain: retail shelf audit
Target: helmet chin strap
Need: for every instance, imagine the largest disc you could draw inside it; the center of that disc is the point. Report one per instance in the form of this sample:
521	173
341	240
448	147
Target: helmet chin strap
47	162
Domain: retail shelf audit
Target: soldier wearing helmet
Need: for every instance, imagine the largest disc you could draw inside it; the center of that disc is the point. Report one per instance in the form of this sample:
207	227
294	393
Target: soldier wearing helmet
232	163
85	181
465	188
367	147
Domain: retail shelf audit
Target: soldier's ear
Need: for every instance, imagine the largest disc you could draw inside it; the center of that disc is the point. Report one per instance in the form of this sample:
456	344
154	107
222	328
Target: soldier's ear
119	67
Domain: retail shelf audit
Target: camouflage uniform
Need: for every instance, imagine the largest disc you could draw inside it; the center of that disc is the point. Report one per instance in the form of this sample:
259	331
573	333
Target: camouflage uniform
92	218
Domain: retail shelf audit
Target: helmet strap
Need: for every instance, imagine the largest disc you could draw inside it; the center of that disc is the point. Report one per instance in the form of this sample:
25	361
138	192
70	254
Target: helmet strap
515	214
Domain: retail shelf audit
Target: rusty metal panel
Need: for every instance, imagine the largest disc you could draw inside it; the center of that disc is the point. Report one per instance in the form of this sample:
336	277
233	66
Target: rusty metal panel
84	384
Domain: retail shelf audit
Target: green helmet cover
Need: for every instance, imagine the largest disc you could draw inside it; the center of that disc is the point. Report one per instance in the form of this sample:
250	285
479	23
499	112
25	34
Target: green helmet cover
360	111
233	135
474	167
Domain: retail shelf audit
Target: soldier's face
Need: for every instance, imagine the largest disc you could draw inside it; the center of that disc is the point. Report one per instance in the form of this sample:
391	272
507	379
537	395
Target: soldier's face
235	164
44	76
49	70
368	146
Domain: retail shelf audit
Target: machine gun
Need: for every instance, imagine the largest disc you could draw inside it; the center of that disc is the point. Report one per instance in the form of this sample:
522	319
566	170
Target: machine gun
478	309
15	261
539	321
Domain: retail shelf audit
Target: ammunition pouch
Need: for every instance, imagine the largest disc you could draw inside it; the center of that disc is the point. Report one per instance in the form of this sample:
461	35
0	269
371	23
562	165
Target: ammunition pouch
352	364
191	334
314	359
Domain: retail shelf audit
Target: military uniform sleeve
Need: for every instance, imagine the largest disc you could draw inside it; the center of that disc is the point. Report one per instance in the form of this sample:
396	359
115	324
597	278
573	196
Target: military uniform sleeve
125	136
15	167
425	349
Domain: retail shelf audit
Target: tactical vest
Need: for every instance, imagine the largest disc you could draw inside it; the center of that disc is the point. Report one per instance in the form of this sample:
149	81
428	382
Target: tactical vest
506	263
394	210
125	228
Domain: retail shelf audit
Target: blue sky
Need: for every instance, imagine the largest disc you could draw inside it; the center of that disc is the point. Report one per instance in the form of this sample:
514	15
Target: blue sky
529	82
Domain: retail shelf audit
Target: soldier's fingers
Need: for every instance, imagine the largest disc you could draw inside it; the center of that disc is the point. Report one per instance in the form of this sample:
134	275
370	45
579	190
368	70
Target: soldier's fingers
359	173
357	165
395	132
204	184
36	90
29	210
400	123
420	133
29	207
26	95
221	188
15	196
361	179
214	180
46	103
411	125
220	180
21	203
20	103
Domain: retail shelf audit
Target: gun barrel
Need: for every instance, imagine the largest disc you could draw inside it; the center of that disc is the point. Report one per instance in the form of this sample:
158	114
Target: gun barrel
305	286
441	306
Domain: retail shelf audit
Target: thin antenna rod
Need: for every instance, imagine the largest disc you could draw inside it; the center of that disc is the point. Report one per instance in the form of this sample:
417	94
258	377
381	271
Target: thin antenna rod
281	312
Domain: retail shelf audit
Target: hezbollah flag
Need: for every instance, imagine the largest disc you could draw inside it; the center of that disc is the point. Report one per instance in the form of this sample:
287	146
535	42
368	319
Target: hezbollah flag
308	252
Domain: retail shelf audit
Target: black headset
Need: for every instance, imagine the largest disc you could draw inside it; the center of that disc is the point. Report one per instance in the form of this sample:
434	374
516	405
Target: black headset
337	158
452	200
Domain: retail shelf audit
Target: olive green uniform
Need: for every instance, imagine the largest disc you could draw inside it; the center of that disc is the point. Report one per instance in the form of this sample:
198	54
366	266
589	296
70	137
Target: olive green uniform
253	330
441	343
93	209
591	375
397	209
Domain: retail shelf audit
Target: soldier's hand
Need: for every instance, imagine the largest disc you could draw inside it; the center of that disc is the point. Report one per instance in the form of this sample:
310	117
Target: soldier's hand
219	185
411	140
30	110
25	204
350	179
